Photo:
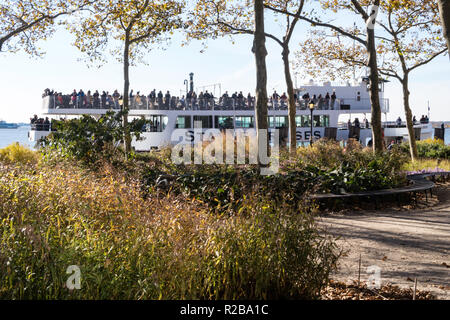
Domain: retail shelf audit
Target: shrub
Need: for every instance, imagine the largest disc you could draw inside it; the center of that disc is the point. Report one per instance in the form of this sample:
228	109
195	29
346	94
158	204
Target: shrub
430	148
88	139
18	154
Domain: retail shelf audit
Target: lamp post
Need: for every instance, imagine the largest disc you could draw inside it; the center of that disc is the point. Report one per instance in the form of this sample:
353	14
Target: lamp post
311	108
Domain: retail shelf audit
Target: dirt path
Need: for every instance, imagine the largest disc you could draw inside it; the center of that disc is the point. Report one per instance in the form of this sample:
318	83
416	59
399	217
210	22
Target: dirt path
404	244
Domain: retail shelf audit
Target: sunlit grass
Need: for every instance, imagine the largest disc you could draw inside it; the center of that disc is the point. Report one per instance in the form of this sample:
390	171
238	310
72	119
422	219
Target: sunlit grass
158	247
422	164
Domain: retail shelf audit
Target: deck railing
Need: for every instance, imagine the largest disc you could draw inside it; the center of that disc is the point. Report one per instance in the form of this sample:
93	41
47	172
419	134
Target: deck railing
228	104
145	103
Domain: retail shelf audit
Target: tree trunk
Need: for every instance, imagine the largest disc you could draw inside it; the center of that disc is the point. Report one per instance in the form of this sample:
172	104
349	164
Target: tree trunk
409	122
292	106
444	8
126	89
377	133
259	49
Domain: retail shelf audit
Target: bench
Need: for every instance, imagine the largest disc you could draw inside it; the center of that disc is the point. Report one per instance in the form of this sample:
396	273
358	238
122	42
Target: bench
418	183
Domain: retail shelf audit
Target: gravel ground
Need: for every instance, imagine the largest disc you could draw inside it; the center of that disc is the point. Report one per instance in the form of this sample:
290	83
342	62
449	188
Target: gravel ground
405	244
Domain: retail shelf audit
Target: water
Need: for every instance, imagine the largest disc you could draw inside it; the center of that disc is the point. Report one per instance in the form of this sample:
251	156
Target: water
10	136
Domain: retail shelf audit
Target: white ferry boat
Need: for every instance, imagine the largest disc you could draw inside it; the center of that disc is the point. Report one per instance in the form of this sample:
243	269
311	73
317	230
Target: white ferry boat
336	108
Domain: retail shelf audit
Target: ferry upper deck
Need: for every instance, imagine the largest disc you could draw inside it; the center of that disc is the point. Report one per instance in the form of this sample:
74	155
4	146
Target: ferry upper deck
349	99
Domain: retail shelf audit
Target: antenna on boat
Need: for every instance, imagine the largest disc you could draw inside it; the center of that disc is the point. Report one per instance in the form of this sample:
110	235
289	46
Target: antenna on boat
187	88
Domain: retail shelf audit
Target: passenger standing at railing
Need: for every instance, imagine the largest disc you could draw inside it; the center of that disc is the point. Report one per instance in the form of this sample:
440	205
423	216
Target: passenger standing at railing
59	100
275	98
283	99
249	101
96	99
46	124
327	101
399	122
167	100
152	99
138	100
211	101
320	102
80	98
160	99
34	119
110	101
206	97
200	100
314	99
189	100
74	98
240	100
104	97
333	100
116	96
89	99
194	101
182	103
233	100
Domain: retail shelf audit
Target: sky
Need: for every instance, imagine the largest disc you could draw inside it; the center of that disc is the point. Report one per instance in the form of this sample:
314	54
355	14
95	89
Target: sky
23	79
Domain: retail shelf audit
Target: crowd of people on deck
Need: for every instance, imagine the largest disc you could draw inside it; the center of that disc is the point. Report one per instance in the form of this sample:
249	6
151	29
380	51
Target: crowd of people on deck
192	101
357	124
423	120
321	102
40	124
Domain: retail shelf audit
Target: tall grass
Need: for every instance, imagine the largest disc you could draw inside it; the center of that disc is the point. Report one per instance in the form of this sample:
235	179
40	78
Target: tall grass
160	247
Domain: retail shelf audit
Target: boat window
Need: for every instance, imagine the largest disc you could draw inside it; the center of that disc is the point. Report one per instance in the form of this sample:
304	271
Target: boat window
244	122
278	122
324	121
183	122
207	122
224	122
156	123
319	121
302	121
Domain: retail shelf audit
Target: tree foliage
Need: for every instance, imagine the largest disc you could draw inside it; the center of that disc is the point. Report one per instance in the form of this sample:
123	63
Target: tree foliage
359	8
444	9
133	27
212	19
409	36
23	22
112	24
409	31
